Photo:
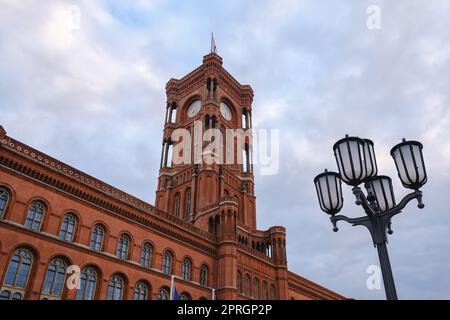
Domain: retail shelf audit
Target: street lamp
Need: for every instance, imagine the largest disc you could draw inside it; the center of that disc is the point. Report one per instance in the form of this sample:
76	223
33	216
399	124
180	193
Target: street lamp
355	158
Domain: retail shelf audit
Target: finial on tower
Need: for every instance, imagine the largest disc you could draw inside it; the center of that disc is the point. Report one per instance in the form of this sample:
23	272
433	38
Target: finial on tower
213	44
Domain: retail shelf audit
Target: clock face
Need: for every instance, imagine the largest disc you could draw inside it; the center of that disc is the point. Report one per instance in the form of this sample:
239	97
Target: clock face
225	111
194	108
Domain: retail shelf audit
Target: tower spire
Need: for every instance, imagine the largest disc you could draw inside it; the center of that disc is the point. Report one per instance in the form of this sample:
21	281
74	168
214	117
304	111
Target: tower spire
213	44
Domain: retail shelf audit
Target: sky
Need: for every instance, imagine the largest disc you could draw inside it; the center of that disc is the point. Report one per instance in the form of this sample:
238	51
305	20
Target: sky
83	81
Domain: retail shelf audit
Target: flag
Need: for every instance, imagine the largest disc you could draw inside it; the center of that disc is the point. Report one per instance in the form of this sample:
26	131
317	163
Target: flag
176	295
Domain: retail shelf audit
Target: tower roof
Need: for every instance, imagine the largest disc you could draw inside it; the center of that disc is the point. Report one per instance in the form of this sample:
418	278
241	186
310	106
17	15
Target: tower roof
212	66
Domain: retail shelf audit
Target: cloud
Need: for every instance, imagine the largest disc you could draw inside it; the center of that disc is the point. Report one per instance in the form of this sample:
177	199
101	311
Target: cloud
94	97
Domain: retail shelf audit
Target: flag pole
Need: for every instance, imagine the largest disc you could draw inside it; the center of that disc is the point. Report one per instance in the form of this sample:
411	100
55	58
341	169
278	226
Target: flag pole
212	42
172	277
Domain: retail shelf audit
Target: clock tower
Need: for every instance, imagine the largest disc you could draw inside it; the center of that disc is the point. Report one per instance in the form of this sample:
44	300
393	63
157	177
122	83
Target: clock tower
206	175
207	126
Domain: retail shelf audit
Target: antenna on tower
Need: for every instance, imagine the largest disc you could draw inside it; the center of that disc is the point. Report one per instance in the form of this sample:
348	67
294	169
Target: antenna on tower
213	44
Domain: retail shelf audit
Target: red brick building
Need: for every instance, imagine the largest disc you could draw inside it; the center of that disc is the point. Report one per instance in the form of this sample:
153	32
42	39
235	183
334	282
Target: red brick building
202	228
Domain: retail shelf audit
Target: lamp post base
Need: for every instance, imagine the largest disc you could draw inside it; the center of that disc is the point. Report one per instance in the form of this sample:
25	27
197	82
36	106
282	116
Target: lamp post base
388	278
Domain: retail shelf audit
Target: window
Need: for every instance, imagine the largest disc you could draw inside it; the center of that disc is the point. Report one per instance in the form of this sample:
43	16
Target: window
186	271
230	147
146	255
204	275
185	296
88	283
123	246
169	155
55	279
68	227
177	205
246	161
173	113
272	292
97	238
4	198
35	214
167	262
115	288
6	295
163	294
238	282
166	156
17	275
264	290
256	288
244	119
247	285
141	291
187	204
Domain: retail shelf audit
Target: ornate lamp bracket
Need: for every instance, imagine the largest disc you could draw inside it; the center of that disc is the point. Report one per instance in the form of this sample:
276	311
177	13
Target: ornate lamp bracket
378	223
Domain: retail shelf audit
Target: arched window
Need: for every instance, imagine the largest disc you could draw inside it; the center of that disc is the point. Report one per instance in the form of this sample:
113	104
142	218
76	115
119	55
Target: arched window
238	282
4	198
246	119
247	285
17	275
187	203
167	153
185	296
177	205
146	255
6	295
222	143
88	282
255	288
163	294
116	287
264	290
68	227
98	233
35	215
167	262
211	225
54	279
141	291
186	270
229	141
216	225
204	275
123	246
272	292
173	113
246	161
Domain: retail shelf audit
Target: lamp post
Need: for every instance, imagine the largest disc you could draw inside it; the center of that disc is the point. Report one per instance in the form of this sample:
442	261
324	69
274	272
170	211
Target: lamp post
357	165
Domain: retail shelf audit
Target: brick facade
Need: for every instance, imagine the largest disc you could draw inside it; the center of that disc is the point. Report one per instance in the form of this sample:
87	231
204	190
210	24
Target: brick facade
204	218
